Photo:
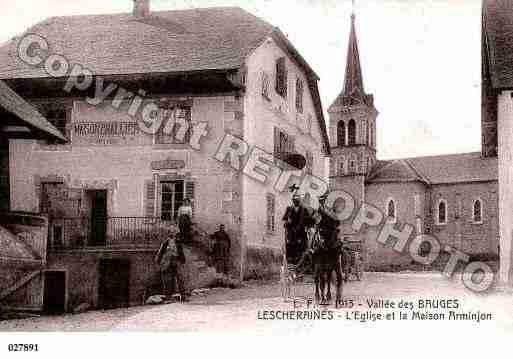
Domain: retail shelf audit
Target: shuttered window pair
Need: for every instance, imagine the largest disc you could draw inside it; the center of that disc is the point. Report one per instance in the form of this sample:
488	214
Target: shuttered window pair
281	77
170	197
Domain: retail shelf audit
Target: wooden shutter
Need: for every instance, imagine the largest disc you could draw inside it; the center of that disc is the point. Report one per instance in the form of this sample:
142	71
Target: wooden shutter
299	96
189	193
270	222
149	198
277	148
281	77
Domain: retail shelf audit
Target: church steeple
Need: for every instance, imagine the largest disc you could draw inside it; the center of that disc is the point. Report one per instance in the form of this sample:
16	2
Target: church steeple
353	84
352	120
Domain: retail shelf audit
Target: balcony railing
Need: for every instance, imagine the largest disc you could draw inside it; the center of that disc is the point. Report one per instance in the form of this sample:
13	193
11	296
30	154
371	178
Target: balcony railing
79	232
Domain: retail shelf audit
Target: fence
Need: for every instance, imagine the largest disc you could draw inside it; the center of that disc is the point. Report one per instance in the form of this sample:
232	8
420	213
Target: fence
77	232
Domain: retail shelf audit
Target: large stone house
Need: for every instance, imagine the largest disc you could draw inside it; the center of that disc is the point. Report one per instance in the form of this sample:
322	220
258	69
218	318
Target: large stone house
452	197
112	187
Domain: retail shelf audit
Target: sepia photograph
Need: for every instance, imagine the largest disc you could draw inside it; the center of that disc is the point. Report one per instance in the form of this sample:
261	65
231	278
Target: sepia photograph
183	173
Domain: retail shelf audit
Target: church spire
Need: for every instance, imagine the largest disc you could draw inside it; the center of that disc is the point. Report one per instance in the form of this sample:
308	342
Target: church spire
353	83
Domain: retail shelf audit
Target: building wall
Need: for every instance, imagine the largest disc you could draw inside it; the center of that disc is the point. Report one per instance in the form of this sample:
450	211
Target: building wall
262	115
123	166
460	231
505	131
376	254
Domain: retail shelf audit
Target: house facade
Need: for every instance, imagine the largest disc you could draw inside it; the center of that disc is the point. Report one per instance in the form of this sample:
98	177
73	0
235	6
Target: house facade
112	191
454	198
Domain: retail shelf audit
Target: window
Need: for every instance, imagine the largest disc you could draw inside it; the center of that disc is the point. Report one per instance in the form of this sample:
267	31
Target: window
416	205
442	212
265	86
341	134
271	209
283	143
342	166
299	96
477	211
176	127
309	162
173	194
281	77
368	133
351	129
418	225
309	123
391	210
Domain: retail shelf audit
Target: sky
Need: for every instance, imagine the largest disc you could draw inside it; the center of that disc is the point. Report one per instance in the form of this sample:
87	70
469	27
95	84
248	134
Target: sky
420	59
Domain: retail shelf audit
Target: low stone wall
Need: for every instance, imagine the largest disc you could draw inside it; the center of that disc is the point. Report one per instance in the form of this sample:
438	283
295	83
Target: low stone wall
262	262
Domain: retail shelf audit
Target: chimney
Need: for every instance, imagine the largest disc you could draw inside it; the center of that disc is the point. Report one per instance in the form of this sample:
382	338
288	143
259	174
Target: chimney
141	8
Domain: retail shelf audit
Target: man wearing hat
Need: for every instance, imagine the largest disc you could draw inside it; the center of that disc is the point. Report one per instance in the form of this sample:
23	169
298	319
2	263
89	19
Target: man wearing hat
294	222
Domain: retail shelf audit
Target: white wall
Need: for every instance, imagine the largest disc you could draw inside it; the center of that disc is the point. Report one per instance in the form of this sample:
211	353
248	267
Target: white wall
505	144
261	117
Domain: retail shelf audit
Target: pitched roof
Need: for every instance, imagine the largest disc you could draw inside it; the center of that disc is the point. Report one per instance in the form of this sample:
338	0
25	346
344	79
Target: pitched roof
394	171
445	169
166	41
497	27
13	103
178	41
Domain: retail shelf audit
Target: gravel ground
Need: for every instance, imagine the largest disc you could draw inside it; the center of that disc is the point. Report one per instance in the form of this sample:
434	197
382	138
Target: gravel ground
242	310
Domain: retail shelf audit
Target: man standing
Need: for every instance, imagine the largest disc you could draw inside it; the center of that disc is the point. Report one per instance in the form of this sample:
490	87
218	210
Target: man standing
294	222
171	259
185	220
221	250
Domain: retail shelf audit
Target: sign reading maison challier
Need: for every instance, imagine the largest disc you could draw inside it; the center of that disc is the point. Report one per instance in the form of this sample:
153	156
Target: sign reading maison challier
105	126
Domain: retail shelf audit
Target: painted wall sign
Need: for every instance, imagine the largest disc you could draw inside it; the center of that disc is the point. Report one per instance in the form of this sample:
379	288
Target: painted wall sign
167	165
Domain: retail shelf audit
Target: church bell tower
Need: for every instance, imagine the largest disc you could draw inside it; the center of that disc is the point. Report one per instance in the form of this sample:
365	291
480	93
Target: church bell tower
352	127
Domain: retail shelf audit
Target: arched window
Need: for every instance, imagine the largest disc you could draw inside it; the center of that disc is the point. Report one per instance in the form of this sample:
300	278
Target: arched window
351	129
391	210
341	134
477	211
442	212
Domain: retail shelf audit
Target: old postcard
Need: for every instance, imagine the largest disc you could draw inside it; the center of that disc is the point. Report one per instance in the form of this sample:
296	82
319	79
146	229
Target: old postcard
305	171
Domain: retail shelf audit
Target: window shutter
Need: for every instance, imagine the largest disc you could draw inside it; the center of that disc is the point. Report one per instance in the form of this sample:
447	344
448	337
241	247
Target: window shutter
281	77
189	193
149	196
276	142
299	96
270	223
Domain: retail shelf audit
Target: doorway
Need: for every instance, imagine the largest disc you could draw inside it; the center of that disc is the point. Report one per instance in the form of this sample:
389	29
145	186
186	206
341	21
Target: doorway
98	220
114	283
54	299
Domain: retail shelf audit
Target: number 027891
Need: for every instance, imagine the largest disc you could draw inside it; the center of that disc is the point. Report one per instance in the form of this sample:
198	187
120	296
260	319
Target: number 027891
23	347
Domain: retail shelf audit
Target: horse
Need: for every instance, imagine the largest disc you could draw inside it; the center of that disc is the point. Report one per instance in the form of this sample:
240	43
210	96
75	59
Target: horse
327	258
